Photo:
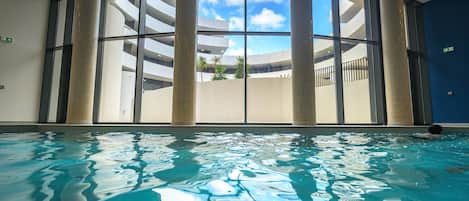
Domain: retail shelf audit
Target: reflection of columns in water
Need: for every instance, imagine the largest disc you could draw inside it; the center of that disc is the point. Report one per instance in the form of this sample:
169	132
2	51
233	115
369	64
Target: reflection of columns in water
301	179
185	165
45	151
79	175
112	67
116	151
140	166
66	176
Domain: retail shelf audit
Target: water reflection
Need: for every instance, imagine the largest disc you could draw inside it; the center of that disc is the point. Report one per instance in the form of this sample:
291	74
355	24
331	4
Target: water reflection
184	164
227	166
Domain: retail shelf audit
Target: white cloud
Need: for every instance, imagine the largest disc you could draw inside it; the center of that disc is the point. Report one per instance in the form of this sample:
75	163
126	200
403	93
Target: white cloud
236	23
205	11
268	19
234	2
216	15
231	43
212	1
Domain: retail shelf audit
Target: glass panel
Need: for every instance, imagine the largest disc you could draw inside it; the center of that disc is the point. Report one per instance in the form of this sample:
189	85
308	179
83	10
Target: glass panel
54	94
221	15
158	80
220	79
326	99
160	16
268	16
352	19
322	17
121	17
118	81
356	84
59	41
269	79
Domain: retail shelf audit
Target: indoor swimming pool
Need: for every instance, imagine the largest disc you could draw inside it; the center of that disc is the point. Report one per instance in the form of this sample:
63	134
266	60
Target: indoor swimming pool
231	166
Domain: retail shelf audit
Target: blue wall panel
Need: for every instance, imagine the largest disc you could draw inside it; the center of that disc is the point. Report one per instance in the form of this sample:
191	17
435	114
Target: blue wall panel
447	25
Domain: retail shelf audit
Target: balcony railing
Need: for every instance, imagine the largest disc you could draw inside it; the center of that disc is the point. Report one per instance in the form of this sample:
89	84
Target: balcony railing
351	71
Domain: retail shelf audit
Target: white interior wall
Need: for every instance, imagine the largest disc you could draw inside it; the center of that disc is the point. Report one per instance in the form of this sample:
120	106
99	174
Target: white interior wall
21	63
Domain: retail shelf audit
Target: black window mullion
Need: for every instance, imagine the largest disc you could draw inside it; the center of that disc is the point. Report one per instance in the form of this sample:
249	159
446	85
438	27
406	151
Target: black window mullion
375	65
62	102
245	64
99	62
48	62
140	61
338	62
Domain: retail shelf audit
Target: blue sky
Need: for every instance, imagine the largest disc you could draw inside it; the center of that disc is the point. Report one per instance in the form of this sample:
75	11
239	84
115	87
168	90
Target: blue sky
263	15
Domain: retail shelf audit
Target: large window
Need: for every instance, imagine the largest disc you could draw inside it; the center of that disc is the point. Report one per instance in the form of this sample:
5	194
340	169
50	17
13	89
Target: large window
269	94
220	79
254	36
57	63
324	69
136	73
157	80
243	61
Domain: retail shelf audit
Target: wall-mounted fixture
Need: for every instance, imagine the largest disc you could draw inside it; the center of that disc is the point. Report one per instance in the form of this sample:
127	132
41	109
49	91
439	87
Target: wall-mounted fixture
6	39
448	49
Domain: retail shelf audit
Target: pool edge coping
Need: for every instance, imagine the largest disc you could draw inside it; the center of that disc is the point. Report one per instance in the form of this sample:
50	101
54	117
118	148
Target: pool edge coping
18	127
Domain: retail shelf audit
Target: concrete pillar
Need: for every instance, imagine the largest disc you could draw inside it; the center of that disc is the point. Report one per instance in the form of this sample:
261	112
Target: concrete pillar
184	89
303	89
113	58
396	67
83	68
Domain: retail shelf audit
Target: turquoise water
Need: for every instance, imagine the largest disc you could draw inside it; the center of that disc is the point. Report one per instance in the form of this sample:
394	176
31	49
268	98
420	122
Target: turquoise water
232	166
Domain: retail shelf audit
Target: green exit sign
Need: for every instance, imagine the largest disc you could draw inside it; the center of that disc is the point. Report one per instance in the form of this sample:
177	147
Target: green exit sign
448	49
4	39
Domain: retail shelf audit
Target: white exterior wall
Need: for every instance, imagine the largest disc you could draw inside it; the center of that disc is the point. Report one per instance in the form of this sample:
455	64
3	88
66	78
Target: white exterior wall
223	102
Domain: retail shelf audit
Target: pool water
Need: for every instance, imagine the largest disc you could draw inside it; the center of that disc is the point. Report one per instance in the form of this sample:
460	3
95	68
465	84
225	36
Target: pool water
232	166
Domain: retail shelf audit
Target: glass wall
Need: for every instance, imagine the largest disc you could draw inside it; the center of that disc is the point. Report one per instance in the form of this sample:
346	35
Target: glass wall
118	81
325	78
137	61
221	62
352	19
122	17
54	95
269	94
356	83
220	79
322	17
157	80
268	16
243	61
58	54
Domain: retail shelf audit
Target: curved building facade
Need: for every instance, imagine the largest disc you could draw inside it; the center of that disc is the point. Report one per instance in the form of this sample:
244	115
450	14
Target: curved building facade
236	82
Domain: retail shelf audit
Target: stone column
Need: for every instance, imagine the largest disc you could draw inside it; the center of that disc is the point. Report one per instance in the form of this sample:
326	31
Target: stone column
303	89
396	66
83	68
184	87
